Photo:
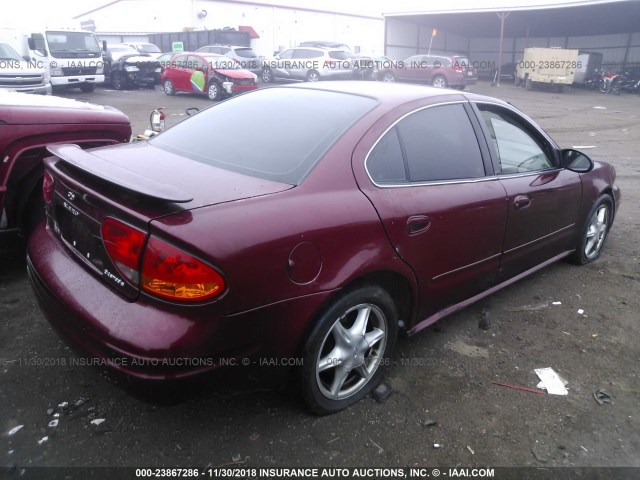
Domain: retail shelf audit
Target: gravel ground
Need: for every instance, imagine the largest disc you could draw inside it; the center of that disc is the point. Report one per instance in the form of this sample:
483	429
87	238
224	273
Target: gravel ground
442	378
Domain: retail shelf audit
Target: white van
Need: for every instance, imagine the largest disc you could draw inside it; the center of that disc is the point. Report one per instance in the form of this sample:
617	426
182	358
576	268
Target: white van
74	57
18	71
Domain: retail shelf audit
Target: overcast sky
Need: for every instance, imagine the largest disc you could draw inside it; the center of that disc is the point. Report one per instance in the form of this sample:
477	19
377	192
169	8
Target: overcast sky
33	13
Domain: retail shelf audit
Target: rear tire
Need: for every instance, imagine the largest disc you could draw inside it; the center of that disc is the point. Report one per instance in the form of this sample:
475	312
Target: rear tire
439	82
345	354
313	76
33	213
168	87
595	231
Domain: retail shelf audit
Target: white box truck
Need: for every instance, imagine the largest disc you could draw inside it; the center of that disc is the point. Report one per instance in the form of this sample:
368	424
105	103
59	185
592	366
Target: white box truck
74	57
551	66
18	71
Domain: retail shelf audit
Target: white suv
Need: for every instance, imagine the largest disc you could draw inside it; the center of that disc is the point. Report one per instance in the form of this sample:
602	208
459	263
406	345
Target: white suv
308	63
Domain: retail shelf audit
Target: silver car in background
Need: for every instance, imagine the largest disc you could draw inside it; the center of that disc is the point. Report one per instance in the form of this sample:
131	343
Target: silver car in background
308	63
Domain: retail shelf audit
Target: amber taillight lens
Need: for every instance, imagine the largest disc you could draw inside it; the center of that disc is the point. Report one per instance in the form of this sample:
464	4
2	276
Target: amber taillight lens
124	245
171	273
47	187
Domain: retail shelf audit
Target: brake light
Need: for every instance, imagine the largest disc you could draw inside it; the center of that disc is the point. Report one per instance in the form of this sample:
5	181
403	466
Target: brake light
457	68
47	187
124	245
171	273
330	63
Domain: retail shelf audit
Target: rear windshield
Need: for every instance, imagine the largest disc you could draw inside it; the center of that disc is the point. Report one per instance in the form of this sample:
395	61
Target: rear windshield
277	134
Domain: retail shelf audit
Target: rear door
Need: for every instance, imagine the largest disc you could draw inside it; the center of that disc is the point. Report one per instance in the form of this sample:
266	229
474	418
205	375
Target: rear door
444	211
180	73
543	199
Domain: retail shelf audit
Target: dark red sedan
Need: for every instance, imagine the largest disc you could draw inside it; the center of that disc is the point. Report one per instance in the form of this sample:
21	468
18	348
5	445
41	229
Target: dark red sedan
352	212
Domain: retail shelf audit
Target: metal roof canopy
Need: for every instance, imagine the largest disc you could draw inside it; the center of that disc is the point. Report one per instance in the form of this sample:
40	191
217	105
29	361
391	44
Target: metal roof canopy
576	19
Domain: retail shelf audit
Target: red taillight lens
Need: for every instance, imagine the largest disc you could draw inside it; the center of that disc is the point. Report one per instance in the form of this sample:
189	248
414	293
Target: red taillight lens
124	245
47	187
171	273
457	68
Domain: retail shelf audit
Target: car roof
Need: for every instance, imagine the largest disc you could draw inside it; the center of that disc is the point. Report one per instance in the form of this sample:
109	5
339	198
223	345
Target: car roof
392	93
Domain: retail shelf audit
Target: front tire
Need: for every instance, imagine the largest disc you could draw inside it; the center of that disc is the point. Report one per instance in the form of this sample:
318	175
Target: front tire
88	87
388	77
346	351
267	75
214	91
118	81
595	231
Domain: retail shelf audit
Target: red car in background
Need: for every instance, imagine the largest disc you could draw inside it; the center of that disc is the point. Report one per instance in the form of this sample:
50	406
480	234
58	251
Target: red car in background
216	76
441	71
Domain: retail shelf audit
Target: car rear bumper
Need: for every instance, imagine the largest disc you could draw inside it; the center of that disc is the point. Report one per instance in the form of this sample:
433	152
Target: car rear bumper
150	342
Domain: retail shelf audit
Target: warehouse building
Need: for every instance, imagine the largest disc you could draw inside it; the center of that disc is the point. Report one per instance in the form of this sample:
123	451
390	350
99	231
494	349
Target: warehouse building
610	27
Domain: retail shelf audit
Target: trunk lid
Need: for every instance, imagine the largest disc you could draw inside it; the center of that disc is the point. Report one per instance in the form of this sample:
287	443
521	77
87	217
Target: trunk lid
134	184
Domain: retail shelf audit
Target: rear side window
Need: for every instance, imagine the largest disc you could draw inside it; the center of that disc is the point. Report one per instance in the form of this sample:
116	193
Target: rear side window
385	162
306	53
246	53
436	143
339	55
440	144
290	130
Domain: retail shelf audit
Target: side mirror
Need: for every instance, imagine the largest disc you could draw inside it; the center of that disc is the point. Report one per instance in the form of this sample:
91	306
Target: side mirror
576	161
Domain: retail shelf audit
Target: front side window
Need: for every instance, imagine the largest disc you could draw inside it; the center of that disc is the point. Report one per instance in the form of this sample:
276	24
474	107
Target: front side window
517	149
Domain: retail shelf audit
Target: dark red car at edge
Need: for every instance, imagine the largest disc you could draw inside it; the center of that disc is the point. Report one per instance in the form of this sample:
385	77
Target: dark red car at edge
362	211
28	123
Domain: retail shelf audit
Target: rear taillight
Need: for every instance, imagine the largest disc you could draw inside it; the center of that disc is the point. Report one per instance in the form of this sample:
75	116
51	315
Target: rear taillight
173	274
47	187
330	63
124	245
457	68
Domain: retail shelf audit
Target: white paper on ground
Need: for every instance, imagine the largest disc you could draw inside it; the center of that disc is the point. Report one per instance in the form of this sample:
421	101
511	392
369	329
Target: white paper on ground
551	381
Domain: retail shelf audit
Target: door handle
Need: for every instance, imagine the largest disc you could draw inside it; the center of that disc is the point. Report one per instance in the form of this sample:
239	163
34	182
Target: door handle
521	201
418	224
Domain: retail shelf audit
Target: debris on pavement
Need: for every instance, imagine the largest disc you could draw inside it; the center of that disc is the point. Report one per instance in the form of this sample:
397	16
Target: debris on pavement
42	440
97	421
471	450
530	308
15	430
580	311
437	445
602	397
485	321
429	423
53	423
516	387
598	107
254	437
380	449
550	381
556	303
382	392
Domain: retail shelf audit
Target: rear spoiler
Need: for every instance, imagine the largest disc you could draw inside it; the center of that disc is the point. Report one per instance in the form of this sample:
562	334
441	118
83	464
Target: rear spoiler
117	175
